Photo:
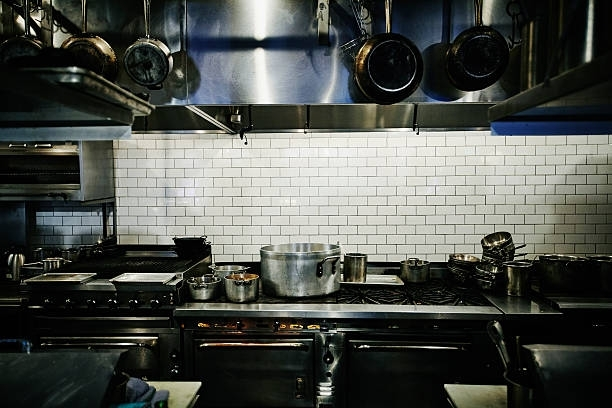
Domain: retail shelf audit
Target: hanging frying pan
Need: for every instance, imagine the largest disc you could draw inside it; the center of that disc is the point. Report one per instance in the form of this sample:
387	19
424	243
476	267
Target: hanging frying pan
92	52
388	67
435	80
478	56
15	48
148	61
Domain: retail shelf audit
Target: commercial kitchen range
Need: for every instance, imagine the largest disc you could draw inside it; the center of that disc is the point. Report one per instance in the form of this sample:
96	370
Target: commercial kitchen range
383	342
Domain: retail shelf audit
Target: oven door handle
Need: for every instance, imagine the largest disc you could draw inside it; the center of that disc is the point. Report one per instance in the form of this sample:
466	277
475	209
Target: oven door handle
281	345
146	342
406	347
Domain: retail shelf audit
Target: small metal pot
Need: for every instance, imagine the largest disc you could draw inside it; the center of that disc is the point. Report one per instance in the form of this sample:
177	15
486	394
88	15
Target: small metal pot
186	247
564	274
602	267
70	254
414	270
242	287
224	270
206	287
50	264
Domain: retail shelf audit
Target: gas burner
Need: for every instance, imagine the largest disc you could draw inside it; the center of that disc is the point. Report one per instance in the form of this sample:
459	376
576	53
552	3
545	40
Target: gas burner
433	292
369	295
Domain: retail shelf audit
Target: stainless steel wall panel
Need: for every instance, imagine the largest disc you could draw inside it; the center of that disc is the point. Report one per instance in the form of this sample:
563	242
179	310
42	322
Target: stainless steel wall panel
267	51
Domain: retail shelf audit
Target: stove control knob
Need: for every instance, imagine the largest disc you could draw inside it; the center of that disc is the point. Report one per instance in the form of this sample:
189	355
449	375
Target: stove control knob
239	325
328	357
48	302
134	303
155	303
91	303
276	326
69	303
112	303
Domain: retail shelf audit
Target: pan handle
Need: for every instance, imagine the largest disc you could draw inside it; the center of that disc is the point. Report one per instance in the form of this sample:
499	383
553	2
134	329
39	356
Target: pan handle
478	13
388	5
320	264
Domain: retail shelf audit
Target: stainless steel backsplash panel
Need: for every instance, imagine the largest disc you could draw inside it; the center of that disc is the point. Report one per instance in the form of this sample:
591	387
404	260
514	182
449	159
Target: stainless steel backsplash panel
267	51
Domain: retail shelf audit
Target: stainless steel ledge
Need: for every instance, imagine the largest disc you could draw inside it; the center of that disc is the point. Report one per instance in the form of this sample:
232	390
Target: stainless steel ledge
579	101
315	118
65	103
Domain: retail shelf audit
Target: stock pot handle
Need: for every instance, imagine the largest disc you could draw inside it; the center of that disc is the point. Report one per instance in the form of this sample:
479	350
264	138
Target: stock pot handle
320	264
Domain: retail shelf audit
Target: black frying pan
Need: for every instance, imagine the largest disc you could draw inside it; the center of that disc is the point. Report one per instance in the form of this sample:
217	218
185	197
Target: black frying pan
478	56
17	48
92	52
388	67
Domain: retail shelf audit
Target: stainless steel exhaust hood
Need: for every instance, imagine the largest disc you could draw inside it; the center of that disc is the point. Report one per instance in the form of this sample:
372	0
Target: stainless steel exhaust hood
268	57
232	119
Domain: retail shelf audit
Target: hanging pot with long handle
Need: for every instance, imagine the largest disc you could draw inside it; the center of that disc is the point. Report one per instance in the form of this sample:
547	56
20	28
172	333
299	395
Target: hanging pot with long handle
435	80
148	61
13	49
478	56
388	67
92	52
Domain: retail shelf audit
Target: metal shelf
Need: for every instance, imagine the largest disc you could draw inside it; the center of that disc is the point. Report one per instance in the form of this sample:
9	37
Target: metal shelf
65	102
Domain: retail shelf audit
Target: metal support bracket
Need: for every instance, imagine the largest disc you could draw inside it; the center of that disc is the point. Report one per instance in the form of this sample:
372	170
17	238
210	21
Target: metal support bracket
323	22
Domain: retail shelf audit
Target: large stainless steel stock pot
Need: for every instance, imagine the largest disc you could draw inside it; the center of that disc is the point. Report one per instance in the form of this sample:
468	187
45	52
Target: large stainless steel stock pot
300	269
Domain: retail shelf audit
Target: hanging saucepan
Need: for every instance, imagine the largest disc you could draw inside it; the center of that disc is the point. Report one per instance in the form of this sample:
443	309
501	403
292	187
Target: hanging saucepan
388	67
148	61
478	56
92	52
15	48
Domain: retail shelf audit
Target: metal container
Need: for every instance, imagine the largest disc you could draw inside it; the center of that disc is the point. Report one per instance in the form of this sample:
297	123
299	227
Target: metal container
602	267
206	287
564	274
518	274
50	264
414	270
242	287
300	269
224	270
355	267
15	262
70	254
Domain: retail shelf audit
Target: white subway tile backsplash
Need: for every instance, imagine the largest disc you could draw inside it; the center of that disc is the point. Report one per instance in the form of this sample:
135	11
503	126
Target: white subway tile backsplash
390	195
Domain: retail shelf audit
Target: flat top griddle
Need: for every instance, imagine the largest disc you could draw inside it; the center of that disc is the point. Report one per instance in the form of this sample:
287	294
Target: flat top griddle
140	278
61	278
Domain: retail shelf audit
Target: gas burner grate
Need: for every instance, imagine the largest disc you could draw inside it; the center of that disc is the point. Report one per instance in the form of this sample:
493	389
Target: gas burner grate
369	295
112	267
433	292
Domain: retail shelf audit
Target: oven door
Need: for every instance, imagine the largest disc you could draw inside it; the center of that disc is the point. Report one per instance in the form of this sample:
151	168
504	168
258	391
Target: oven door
152	348
406	370
275	371
140	359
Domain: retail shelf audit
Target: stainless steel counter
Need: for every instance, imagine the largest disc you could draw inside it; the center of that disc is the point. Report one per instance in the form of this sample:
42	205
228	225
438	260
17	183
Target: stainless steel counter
473	395
337	311
515	306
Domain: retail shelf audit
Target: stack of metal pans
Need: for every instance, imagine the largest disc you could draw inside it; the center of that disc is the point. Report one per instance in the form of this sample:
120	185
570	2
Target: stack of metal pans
498	248
462	267
490	277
